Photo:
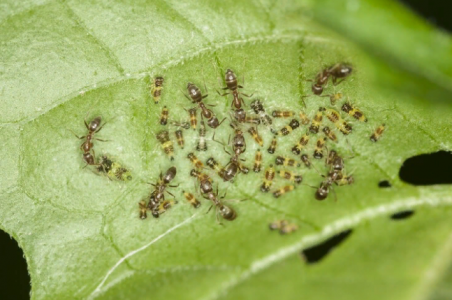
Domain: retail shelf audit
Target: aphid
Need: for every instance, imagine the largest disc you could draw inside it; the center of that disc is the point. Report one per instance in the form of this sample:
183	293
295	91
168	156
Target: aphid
255	134
195	161
164	116
282	114
167	145
180	138
191	199
331	157
278	224
214	165
184	125
257	161
305	160
304	118
165	205
268	179
354	112
294	124
231	84
334	98
345	180
202	143
330	134
193	119
291	176
336	118
252	120
289	228
258	108
113	169
301	144
339	70
377	133
285	189
318	152
142	206
285	161
317	121
283	226
271	149
156	89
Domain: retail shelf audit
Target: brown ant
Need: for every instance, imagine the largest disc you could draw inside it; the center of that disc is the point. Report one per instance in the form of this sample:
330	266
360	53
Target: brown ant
337	71
93	127
196	97
226	212
158	194
231	84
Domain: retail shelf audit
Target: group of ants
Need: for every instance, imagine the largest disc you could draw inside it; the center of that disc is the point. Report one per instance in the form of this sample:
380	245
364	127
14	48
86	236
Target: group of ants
156	203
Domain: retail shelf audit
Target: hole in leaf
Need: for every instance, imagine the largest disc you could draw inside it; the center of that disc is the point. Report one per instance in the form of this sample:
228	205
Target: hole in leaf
14	278
318	252
428	169
436	12
384	184
402	215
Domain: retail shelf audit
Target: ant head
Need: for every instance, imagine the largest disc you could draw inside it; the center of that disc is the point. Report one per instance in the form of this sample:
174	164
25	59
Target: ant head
159	80
345	70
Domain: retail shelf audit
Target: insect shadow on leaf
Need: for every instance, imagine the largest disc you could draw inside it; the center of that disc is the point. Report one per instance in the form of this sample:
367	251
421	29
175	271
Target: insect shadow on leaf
402	215
318	252
427	169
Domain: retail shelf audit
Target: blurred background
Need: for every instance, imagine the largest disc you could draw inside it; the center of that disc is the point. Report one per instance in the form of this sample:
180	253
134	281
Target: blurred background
14	279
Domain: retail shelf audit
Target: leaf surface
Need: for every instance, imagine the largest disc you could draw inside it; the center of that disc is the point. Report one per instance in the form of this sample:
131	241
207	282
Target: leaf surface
80	232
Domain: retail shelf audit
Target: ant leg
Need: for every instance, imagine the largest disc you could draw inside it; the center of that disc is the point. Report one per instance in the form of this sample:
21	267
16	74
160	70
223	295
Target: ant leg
221	122
81	138
170	193
336	83
187	97
101	140
334	192
224	93
174	186
209	209
213	139
84	120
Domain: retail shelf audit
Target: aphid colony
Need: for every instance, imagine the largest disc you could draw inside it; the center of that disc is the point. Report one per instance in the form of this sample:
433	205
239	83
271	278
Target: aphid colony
325	127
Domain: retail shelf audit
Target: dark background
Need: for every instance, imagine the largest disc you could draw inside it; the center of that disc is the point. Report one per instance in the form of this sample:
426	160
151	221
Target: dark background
14	279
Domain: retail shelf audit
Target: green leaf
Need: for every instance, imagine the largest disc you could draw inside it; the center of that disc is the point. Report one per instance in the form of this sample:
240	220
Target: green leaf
80	232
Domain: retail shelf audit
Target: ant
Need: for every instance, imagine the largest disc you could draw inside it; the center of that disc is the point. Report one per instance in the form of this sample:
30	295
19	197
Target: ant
231	84
196	97
340	70
226	212
158	194
93	127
